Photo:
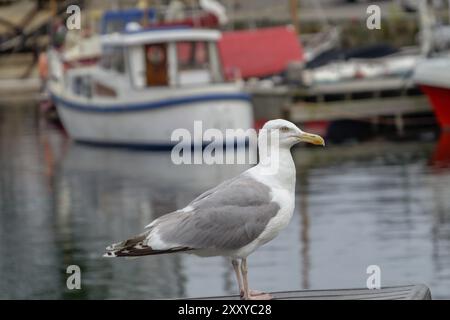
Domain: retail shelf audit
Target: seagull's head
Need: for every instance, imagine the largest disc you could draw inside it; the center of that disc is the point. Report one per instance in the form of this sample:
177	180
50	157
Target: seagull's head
289	134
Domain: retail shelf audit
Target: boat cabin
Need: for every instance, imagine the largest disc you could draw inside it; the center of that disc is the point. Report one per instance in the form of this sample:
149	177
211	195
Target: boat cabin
164	57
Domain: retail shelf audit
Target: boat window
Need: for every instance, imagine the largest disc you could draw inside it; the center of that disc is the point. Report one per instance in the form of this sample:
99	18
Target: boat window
113	58
192	56
118	60
105	61
198	62
193	63
77	85
81	85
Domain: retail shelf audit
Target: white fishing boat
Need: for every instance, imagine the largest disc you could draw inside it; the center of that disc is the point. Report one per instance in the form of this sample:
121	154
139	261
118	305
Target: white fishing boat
147	84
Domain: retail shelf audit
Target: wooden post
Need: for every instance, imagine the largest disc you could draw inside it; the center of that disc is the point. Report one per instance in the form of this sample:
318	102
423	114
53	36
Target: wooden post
231	6
399	124
143	4
293	8
425	27
53	8
375	121
305	228
448	8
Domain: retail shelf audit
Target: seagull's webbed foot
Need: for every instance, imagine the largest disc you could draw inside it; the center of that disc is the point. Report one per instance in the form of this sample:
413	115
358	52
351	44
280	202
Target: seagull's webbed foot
256	295
252	292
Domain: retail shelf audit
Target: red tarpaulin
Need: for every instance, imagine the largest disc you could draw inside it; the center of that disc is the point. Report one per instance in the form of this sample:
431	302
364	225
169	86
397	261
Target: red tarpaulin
259	52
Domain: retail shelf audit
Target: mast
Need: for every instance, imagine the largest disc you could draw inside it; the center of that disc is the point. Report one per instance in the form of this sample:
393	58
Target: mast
448	9
53	8
293	8
144	5
425	26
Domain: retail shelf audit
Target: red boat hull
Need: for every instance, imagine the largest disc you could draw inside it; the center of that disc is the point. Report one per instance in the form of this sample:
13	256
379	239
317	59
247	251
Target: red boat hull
440	100
441	155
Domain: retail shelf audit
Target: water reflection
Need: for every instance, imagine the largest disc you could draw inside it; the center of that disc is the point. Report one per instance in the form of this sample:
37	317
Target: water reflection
378	203
441	154
105	195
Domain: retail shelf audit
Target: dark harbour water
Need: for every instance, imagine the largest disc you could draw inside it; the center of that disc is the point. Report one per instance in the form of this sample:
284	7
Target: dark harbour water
378	202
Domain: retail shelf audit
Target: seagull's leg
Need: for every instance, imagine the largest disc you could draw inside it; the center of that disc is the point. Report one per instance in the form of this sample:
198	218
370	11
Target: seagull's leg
251	294
244	271
235	264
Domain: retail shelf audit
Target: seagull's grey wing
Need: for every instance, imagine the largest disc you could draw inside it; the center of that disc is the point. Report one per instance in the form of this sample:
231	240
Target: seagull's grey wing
209	192
227	217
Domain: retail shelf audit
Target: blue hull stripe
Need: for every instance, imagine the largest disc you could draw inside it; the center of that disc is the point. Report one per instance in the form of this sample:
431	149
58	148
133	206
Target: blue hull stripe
153	146
150	105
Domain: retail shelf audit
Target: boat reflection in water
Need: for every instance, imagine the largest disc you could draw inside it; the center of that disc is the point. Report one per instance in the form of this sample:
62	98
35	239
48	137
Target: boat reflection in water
441	155
440	185
440	177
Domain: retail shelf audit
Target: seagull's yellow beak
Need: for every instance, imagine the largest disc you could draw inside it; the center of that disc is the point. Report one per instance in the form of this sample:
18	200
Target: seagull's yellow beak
311	138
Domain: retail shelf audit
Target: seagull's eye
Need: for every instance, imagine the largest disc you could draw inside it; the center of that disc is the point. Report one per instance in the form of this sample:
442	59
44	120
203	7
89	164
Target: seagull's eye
284	129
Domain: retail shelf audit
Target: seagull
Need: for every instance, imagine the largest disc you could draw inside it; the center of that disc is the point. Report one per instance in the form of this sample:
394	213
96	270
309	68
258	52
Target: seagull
234	218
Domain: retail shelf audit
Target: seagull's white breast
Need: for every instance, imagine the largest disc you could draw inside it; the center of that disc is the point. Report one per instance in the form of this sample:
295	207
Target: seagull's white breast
285	200
284	196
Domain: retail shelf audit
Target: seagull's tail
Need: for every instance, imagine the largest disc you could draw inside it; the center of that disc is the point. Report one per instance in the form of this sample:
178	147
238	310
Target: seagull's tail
135	247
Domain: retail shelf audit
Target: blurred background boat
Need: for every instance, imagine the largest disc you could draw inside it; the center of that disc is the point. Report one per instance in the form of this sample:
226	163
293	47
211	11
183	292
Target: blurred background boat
148	83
